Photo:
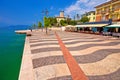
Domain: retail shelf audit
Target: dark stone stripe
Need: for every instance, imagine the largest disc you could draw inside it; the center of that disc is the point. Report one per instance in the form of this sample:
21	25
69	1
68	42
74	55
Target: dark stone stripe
73	48
90	58
41	41
36	41
95	56
56	43
44	40
111	76
75	38
47	61
75	42
45	50
62	78
41	44
77	48
32	40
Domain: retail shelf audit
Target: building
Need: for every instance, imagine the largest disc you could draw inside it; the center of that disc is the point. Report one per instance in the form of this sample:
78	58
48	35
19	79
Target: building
60	17
91	15
108	10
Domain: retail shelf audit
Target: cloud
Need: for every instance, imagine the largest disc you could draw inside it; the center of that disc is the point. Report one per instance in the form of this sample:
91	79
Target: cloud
82	6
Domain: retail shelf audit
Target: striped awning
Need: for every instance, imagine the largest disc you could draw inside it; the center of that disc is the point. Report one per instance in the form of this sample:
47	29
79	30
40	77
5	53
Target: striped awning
92	25
114	26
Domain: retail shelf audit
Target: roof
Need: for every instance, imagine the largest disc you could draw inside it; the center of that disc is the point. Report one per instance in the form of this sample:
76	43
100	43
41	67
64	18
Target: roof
92	25
100	22
60	17
109	2
91	12
87	13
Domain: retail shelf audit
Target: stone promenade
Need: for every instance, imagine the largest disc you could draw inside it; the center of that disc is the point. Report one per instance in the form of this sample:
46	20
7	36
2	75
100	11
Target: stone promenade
70	56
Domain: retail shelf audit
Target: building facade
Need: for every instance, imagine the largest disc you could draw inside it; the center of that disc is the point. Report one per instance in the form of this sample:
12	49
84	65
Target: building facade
60	17
91	15
108	10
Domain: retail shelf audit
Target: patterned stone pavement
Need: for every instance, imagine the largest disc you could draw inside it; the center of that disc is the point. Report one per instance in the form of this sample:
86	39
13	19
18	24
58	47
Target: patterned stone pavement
97	56
99	59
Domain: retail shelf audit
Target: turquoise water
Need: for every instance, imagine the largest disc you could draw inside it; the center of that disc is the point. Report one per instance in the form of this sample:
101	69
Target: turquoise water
11	49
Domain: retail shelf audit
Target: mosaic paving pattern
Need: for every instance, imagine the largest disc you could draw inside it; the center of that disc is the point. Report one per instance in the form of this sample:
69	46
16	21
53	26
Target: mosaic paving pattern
51	67
96	56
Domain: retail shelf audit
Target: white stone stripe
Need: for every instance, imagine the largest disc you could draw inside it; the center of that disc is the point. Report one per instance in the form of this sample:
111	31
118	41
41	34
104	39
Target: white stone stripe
74	53
67	41
85	43
32	39
64	41
108	65
51	71
80	40
72	37
47	54
84	51
93	49
44	42
70	45
44	46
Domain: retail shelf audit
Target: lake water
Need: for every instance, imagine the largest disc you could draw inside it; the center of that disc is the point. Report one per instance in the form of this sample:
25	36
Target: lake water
11	49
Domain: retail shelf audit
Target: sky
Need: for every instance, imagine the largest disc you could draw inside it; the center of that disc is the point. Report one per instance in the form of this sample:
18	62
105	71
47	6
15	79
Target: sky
28	12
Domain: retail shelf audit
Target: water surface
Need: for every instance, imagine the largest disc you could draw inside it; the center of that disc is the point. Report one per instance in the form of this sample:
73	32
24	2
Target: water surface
11	49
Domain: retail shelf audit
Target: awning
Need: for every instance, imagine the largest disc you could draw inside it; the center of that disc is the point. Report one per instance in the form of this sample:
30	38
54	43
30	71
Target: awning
70	26
92	25
114	26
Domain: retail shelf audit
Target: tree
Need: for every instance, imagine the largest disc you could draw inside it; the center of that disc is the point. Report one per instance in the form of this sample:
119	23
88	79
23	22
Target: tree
46	23
63	22
84	19
53	21
39	24
68	21
73	22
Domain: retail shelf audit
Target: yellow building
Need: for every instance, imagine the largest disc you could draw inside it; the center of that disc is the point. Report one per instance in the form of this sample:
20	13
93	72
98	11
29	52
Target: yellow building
108	10
91	15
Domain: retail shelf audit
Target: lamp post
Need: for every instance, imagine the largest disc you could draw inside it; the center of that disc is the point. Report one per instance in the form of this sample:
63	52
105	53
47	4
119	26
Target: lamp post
46	14
42	19
74	20
78	17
